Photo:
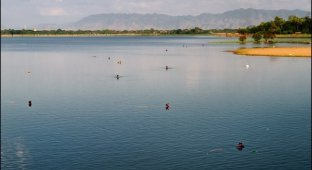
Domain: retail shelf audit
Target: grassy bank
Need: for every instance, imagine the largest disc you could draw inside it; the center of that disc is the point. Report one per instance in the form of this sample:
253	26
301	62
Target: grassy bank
293	36
284	39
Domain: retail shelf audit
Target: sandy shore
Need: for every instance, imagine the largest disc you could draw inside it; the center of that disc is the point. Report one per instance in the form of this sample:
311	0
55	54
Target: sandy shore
278	51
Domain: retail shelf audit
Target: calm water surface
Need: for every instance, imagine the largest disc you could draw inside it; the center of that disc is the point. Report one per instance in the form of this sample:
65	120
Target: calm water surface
84	118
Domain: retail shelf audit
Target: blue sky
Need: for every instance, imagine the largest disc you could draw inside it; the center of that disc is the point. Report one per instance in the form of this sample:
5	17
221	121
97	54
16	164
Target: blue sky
21	13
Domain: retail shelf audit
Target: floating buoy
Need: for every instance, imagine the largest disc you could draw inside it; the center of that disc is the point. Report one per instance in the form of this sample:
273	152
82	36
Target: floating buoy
247	66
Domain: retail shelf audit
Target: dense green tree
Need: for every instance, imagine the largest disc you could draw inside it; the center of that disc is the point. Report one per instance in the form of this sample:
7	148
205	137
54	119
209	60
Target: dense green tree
279	26
257	37
242	31
306	25
178	31
268	35
296	21
197	30
279	22
264	26
253	29
242	38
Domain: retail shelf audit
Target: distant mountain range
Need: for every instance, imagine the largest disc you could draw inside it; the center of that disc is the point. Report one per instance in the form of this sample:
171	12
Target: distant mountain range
230	19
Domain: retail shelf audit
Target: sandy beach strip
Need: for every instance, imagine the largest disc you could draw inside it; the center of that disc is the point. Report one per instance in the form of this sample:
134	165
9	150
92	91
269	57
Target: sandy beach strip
277	51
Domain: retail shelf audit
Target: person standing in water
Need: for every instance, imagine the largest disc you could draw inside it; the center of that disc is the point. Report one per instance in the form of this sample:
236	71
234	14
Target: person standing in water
240	146
167	106
29	103
167	67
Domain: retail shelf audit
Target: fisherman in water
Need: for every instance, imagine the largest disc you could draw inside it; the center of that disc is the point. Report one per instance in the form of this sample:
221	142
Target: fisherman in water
29	103
240	146
167	67
167	106
117	76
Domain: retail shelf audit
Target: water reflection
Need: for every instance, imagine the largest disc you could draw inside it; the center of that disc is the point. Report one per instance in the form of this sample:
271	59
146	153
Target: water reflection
14	153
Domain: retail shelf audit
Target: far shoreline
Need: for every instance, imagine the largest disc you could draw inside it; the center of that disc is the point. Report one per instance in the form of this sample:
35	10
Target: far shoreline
102	35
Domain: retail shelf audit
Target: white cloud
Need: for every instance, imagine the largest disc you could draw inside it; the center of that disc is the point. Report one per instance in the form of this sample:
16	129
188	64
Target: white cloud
52	12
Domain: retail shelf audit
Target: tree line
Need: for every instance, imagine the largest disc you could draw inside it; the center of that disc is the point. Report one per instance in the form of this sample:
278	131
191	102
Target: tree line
265	30
151	31
268	30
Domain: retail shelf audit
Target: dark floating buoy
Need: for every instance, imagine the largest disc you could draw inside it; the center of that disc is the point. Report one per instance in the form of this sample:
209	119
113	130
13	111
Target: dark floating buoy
108	58
240	146
29	103
166	50
167	106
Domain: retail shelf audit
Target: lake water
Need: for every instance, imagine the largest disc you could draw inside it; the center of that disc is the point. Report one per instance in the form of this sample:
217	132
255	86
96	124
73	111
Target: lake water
82	117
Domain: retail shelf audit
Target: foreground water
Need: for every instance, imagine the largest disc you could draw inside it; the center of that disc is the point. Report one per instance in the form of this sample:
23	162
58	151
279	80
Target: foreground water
84	118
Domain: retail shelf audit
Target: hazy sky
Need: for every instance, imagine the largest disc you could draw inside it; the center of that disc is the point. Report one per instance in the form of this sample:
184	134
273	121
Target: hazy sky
20	13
